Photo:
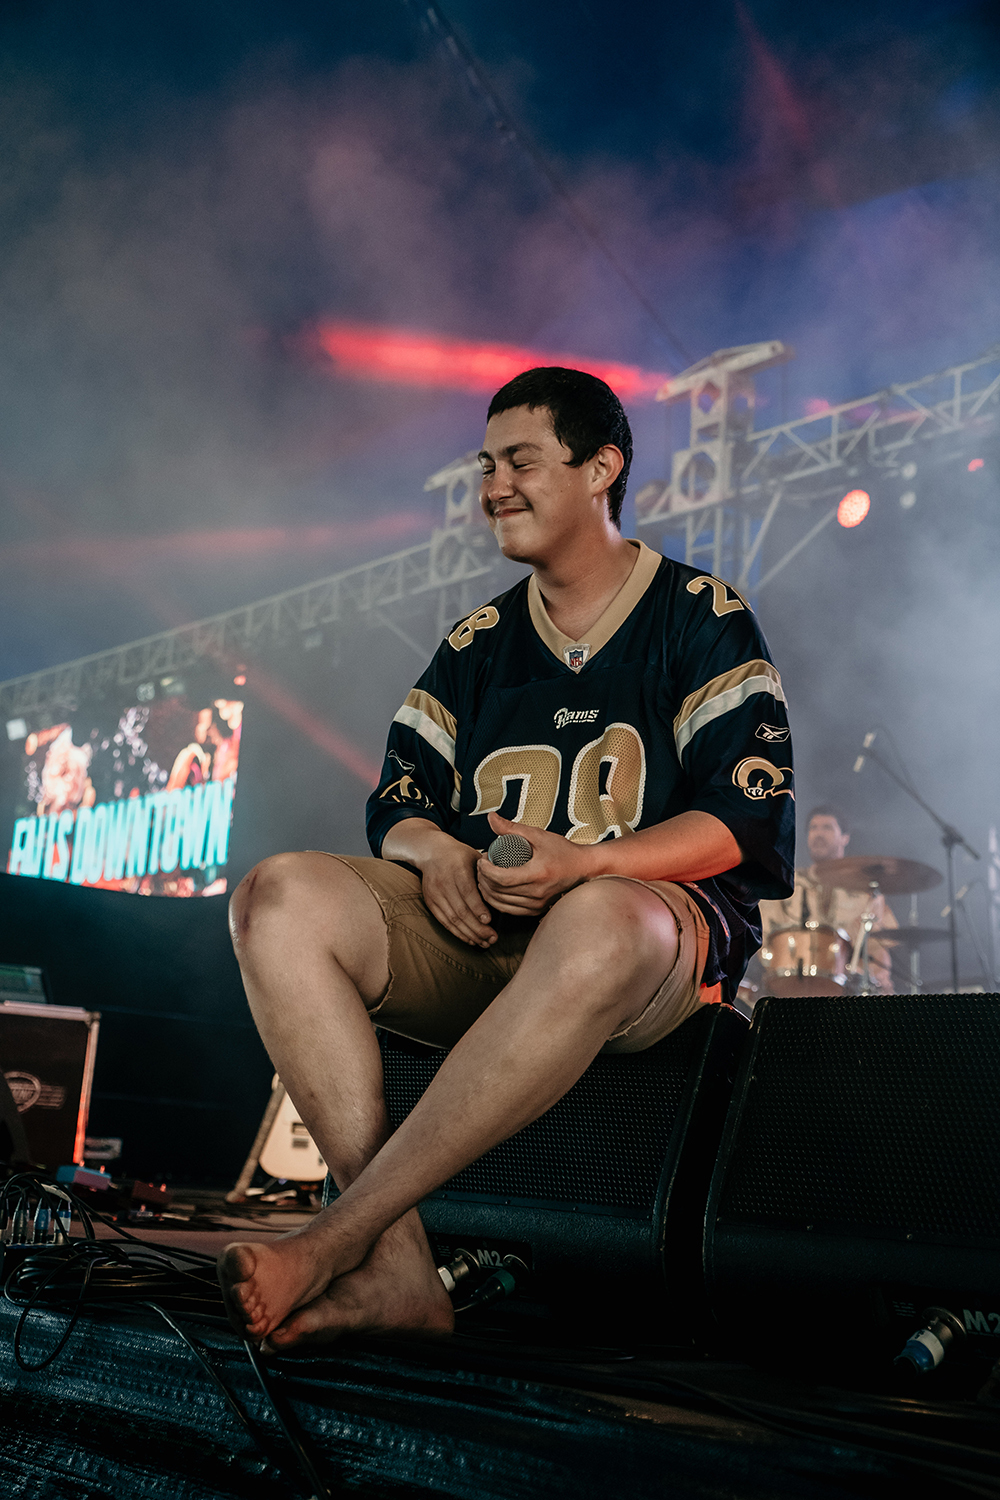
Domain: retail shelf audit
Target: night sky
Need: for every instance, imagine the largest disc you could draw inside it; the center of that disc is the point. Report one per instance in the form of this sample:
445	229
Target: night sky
187	191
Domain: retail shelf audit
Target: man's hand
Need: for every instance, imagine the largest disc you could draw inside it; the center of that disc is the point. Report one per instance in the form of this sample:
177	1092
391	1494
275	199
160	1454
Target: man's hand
689	846
448	871
527	890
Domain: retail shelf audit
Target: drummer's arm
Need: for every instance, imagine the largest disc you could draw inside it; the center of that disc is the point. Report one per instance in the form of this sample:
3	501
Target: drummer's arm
880	958
772	916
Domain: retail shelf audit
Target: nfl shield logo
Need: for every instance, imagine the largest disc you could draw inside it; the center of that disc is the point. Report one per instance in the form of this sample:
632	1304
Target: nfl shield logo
576	656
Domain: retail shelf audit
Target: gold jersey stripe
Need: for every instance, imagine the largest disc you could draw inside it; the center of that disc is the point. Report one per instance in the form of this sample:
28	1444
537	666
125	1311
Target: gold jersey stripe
431	720
722	695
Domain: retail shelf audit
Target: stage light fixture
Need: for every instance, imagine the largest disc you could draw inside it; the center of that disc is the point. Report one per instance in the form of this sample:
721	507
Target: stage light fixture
974	464
240	679
908	499
16	729
853	508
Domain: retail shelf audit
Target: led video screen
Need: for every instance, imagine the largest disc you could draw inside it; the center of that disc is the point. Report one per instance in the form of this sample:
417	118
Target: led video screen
129	795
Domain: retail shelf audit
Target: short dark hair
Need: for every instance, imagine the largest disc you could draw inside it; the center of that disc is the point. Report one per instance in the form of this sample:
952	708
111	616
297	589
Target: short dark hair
585	414
825	810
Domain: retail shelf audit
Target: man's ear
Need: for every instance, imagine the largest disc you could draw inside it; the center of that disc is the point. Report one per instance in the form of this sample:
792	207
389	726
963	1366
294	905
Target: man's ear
607	464
847	839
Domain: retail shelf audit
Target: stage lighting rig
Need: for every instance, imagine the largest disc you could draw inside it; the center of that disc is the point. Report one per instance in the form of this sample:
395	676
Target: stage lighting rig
730	481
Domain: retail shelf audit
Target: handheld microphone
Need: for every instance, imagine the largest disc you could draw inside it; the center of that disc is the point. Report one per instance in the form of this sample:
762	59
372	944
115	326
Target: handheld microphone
508	850
866	744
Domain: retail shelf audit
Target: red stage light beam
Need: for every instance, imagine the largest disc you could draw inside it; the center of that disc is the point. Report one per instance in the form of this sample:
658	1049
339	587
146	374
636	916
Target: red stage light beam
140	554
400	356
322	733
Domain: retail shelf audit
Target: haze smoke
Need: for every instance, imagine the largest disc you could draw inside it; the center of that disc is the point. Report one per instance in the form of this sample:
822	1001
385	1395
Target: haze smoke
157	288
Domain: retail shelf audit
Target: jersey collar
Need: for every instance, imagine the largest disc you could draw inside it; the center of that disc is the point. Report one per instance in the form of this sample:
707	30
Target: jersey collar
617	612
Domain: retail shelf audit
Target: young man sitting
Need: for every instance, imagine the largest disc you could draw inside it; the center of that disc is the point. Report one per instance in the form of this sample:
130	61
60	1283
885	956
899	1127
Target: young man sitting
621	713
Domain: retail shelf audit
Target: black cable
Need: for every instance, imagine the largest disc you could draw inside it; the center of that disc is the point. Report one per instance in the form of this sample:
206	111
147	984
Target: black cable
260	1439
427	13
110	1274
196	1347
289	1426
793	1422
90	1213
107	1270
32	1302
788	1421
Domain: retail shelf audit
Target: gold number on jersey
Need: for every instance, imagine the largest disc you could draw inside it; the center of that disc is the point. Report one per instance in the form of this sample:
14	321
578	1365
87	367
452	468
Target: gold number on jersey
595	811
605	788
536	767
463	635
721	602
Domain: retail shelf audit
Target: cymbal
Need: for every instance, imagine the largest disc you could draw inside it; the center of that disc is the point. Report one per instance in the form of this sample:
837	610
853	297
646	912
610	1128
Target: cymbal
911	937
894	877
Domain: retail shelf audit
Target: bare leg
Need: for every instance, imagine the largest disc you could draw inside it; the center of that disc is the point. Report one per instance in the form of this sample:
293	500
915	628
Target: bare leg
597	958
313	950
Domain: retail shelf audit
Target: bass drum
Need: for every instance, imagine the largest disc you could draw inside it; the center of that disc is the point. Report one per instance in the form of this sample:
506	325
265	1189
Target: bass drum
809	960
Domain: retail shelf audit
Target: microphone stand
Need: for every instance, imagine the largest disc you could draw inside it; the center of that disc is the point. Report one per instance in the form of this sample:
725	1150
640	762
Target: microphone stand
951	839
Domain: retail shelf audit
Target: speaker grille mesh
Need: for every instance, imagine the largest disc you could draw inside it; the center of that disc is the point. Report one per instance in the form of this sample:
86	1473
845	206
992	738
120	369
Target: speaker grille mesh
872	1112
603	1143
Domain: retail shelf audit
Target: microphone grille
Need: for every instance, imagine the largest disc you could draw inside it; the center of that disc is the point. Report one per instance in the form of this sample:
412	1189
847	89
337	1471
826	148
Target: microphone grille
509	849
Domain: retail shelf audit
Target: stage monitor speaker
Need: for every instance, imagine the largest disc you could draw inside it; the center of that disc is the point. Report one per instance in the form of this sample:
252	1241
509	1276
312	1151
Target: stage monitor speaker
603	1197
858	1180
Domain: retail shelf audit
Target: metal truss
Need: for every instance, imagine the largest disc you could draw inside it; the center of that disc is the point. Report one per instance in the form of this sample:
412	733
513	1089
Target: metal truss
727	485
432	581
726	488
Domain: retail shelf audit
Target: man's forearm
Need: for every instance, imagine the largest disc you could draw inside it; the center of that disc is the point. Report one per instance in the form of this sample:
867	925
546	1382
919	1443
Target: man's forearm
414	841
691	846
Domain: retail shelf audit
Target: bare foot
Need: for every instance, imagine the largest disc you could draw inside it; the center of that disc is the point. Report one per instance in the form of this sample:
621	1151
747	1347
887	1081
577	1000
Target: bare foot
396	1289
262	1284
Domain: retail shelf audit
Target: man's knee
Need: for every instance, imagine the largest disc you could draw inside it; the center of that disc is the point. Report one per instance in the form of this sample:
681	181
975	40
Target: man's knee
306	903
266	887
304	890
617	928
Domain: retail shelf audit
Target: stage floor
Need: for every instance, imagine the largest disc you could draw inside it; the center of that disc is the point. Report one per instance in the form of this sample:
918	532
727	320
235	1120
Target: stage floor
127	1410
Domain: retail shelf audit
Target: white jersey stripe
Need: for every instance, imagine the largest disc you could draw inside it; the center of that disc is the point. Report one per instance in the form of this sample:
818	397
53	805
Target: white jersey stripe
724	703
425	726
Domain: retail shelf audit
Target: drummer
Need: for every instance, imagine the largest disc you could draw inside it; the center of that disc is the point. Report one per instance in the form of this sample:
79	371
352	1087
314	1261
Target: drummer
828	837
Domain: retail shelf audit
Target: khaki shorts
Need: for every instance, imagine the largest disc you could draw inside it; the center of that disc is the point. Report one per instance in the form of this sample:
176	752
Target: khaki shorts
439	985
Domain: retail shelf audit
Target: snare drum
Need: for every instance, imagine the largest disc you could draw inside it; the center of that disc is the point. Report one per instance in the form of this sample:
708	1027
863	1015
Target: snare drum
809	960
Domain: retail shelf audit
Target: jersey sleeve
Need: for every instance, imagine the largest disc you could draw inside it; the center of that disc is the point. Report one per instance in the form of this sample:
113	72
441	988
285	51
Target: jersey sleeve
733	740
419	779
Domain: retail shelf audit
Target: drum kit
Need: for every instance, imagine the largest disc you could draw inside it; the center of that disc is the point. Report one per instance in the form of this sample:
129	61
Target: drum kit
818	959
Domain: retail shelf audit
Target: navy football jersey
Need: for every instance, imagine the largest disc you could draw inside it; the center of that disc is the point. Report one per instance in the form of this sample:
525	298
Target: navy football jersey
670	703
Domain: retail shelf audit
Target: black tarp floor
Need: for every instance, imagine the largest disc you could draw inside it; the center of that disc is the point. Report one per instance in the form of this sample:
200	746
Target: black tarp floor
127	1411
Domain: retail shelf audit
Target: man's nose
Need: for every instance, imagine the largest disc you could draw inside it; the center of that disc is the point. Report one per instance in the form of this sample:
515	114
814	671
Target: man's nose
496	484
